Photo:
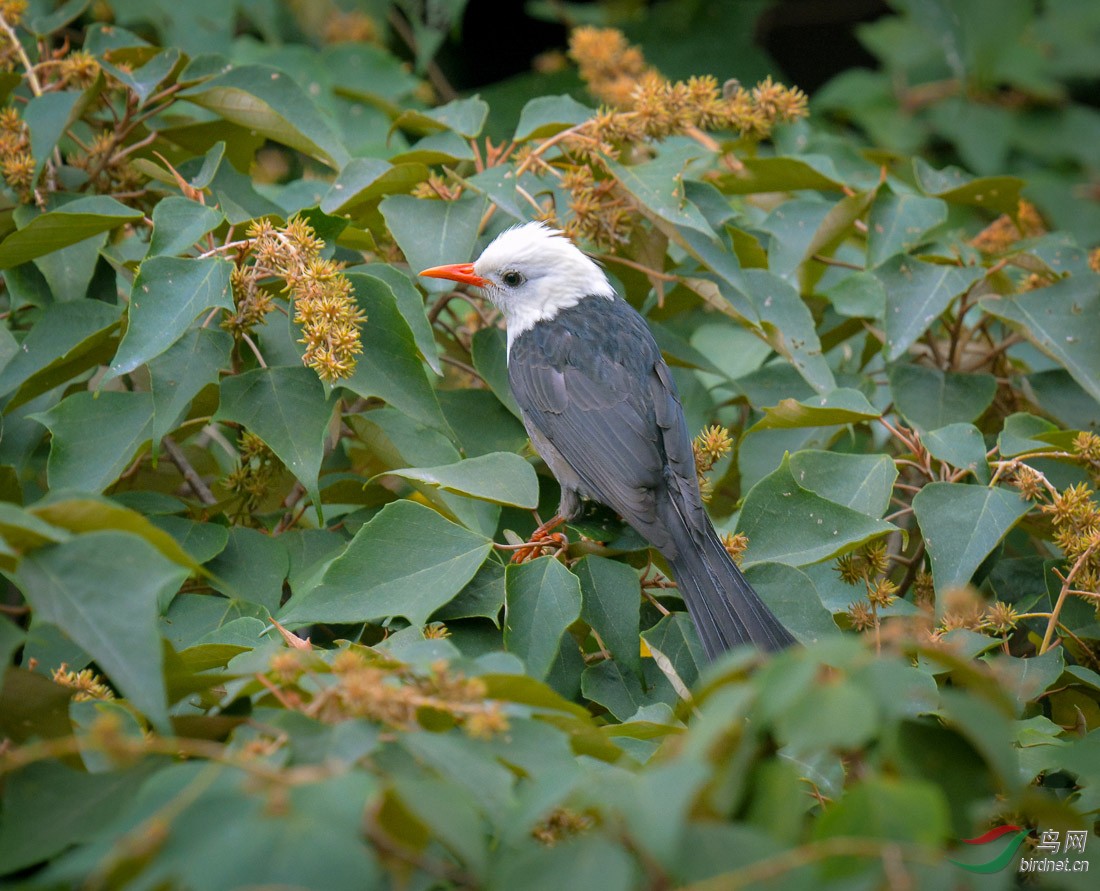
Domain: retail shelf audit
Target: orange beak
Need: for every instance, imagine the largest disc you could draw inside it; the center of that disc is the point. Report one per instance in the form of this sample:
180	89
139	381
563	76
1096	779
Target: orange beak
457	272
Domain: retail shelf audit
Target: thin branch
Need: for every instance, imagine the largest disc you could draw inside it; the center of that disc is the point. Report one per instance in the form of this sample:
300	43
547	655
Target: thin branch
190	475
1067	587
32	76
435	73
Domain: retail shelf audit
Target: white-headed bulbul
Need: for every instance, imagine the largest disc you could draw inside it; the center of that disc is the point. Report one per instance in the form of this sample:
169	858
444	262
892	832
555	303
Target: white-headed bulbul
602	410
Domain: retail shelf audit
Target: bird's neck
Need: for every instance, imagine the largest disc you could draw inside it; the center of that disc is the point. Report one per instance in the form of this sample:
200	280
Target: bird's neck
523	317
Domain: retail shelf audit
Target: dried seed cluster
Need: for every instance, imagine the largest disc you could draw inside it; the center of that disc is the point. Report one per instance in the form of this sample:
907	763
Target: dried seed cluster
868	567
1004	232
251	481
358	683
617	74
16	163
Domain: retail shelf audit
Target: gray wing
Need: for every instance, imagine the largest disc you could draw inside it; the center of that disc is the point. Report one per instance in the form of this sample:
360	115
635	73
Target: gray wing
593	384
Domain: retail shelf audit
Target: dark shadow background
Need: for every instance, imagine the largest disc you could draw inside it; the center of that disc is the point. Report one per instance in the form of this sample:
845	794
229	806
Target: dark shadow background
805	42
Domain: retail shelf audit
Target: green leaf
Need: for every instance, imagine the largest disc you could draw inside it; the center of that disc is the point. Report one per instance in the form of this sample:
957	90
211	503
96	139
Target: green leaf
180	372
987	727
1000	194
101	589
898	223
884	807
840	406
792	596
49	806
201	541
22	530
83	515
658	186
929	398
365	181
269	102
66	340
144	79
446	147
1023	433
860	295
676	649
168	295
816	172
583	861
1062	320
960	445
63	226
410	303
542	599
180	222
95	437
961	524
483	597
544	116
490	355
619	690
917	293
787	523
251	567
835	716
389	366
611	605
48	117
375	577
287	408
499	477
430	233
466	117
861	482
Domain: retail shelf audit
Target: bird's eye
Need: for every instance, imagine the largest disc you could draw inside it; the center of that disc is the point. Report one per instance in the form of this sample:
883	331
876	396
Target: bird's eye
512	278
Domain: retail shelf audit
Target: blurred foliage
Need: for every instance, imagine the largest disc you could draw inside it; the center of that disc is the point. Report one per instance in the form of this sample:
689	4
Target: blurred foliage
998	87
261	488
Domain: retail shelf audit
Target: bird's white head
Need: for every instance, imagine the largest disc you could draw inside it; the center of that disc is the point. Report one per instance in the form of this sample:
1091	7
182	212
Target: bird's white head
531	272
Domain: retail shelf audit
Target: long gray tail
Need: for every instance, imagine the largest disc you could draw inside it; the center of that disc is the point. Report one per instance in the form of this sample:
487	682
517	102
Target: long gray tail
725	608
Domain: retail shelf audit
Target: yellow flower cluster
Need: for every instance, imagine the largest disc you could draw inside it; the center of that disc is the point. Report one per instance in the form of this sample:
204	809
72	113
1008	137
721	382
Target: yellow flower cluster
709	447
324	305
86	683
735	544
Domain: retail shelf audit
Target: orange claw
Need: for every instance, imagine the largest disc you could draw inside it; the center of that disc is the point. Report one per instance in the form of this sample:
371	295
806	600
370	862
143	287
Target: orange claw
543	539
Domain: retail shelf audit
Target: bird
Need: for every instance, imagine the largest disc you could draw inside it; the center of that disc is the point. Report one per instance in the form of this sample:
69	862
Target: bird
602	410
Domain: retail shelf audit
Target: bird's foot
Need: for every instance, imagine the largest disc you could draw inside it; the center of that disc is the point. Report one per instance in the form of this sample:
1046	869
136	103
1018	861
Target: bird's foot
542	540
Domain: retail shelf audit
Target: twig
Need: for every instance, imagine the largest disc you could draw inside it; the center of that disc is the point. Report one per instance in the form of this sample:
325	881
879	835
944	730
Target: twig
435	73
1067	586
190	475
32	76
254	348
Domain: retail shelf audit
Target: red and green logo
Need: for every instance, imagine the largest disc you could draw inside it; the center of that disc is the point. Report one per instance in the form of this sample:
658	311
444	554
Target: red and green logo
1001	860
